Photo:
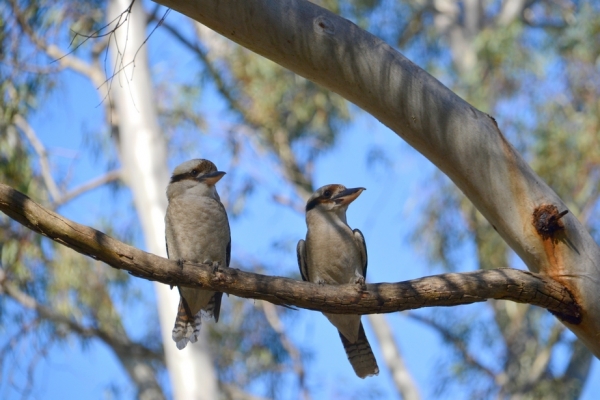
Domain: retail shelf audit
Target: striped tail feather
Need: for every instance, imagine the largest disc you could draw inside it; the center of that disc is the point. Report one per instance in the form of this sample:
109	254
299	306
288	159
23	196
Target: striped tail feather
360	355
213	308
187	326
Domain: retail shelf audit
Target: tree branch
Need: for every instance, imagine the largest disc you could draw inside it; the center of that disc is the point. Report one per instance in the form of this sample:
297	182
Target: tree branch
64	59
39	148
273	319
439	290
110	176
402	378
462	141
133	356
457	342
542	359
58	197
280	142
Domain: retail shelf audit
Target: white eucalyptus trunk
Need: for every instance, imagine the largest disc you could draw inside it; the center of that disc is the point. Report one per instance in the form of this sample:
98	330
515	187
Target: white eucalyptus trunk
462	141
404	381
143	155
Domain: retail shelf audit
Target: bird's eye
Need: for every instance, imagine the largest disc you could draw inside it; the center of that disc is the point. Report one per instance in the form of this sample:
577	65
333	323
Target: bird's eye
194	172
327	193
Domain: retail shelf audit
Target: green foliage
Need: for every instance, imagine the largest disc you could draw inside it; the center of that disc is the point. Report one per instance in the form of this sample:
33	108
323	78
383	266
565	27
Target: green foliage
556	126
287	114
278	100
79	292
293	122
246	349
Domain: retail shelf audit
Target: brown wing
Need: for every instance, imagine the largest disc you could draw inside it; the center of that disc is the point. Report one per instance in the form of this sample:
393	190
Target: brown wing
362	247
167	246
301	254
218	296
228	256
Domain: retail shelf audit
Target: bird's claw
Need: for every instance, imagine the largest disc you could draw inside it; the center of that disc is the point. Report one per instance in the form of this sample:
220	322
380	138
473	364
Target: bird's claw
360	281
215	266
180	262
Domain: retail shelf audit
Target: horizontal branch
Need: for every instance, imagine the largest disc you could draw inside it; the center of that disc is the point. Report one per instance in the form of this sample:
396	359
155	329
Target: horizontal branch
121	344
110	176
465	143
439	290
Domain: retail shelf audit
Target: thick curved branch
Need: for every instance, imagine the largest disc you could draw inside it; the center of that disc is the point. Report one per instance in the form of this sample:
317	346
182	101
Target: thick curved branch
439	290
462	141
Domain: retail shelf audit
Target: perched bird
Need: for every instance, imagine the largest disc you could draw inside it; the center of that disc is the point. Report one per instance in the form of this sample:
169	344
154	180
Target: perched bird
333	253
197	230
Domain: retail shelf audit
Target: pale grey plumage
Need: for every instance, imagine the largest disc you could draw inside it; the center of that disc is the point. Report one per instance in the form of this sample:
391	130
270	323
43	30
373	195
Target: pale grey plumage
333	253
197	230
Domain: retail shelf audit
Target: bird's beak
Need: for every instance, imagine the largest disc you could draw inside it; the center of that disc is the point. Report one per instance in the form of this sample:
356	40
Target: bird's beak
212	177
347	196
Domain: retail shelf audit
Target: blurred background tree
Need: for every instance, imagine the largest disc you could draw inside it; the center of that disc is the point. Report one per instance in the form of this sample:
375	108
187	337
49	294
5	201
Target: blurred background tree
533	65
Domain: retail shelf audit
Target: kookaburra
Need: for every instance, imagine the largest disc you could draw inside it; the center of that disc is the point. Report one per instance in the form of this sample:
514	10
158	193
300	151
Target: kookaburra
333	253
197	230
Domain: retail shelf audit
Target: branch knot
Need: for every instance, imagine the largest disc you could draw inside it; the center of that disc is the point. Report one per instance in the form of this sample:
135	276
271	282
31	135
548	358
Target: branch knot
546	220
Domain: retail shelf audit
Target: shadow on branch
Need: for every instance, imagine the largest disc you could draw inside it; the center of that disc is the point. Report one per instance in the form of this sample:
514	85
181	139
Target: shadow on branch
439	290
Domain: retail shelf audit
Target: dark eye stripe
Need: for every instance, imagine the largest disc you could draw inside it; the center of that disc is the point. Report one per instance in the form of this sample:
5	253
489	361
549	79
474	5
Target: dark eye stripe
312	204
180	177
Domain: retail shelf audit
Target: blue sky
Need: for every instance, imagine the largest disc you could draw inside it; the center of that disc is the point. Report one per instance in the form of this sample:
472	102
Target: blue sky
385	214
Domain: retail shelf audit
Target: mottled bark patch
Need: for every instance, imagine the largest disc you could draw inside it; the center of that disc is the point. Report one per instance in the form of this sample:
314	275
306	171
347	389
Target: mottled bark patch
574	317
546	219
323	25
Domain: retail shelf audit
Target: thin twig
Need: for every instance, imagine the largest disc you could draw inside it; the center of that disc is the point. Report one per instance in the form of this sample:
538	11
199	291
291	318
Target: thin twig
542	359
39	148
291	168
270	312
456	341
110	176
65	59
9	289
402	378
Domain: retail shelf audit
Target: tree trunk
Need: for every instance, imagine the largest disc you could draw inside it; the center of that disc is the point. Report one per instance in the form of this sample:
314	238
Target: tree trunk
462	141
405	384
143	154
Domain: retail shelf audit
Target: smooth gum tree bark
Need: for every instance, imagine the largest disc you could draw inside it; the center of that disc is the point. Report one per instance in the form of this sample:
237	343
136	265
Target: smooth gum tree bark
462	141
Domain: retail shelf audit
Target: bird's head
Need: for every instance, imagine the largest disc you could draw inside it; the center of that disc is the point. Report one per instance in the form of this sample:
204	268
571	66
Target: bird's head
198	175
334	198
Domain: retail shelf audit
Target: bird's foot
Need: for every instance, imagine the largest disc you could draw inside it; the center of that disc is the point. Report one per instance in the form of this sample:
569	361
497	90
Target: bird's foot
320	282
362	285
180	263
215	266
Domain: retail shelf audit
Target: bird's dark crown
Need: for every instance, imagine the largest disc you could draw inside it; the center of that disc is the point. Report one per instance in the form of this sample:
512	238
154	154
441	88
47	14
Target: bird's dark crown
198	168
